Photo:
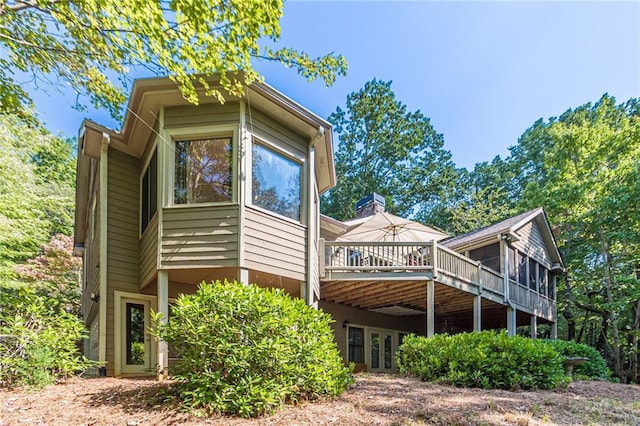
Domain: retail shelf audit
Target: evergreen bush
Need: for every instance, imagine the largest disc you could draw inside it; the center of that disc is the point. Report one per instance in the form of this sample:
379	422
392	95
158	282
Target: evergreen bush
246	350
486	359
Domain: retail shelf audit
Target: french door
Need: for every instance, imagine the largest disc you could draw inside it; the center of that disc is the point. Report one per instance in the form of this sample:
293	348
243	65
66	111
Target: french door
381	350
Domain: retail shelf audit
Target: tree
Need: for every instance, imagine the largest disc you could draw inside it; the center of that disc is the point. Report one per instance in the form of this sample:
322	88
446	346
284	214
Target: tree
83	43
37	172
386	149
584	168
55	273
487	194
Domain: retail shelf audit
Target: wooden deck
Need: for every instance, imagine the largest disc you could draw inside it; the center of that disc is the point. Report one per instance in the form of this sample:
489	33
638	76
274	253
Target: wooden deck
378	274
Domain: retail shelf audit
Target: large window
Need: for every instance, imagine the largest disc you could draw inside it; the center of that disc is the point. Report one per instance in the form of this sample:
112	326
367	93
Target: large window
203	171
356	345
149	192
275	182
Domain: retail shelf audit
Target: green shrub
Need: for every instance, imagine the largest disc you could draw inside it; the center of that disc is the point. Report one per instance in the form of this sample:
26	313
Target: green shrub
247	350
37	339
487	360
595	367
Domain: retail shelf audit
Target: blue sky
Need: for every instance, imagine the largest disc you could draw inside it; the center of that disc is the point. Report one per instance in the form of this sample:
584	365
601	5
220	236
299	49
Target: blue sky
482	71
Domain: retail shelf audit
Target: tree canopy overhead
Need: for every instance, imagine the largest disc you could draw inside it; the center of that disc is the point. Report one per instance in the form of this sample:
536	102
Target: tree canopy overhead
86	43
387	149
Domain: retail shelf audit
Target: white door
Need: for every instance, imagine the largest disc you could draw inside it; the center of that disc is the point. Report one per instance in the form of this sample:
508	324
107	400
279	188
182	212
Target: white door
381	349
135	340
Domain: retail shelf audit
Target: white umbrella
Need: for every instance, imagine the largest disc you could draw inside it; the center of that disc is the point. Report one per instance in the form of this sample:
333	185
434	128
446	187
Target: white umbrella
384	226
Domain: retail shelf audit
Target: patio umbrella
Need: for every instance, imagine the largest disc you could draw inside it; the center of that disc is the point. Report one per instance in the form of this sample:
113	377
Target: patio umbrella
384	226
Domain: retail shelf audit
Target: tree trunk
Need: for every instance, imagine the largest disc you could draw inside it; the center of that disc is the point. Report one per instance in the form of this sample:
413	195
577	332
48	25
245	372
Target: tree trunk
613	316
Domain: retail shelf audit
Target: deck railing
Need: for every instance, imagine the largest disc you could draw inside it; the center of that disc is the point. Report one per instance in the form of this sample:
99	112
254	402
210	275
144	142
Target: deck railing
377	256
339	257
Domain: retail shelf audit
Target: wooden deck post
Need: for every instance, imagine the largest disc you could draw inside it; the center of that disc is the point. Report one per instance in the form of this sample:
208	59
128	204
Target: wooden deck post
430	308
534	327
163	307
554	330
477	313
511	321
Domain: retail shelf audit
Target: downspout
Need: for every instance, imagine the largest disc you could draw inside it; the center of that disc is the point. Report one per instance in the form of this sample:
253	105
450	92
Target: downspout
102	312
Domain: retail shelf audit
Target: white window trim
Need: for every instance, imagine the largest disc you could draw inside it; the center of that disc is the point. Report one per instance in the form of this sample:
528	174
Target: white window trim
195	133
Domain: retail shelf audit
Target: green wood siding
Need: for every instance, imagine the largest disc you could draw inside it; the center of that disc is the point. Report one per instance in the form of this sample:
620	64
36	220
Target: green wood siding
274	245
122	237
198	237
202	115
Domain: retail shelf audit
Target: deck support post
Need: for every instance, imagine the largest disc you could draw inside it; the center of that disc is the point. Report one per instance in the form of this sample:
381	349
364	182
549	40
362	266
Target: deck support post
534	327
163	307
477	313
554	330
430	308
511	321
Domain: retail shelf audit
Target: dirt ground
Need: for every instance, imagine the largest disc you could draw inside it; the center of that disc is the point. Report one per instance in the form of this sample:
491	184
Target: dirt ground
374	399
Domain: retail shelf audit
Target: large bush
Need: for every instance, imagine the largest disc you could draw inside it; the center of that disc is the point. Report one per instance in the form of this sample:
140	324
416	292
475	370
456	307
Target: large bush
595	367
247	350
487	360
37	339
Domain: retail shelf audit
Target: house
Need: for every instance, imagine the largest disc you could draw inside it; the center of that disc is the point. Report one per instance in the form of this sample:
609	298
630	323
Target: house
499	277
185	194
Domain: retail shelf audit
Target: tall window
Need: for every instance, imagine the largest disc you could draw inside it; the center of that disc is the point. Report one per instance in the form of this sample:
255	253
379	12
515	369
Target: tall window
356	345
275	182
203	171
149	192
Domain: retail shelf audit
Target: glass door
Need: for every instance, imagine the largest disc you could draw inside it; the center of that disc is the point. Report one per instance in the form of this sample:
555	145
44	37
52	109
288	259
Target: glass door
381	346
136	342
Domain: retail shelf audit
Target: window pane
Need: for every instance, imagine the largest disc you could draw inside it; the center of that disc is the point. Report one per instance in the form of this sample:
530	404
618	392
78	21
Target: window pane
203	171
275	182
542	279
387	351
356	345
375	350
149	192
135	334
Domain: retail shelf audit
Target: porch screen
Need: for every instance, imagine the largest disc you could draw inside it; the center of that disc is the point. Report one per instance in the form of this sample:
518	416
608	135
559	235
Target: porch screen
203	171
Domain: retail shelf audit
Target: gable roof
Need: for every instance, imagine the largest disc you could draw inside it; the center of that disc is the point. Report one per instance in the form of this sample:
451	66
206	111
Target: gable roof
508	228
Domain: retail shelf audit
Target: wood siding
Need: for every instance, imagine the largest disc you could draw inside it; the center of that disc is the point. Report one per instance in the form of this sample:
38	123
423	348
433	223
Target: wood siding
274	245
148	252
202	115
199	237
532	244
266	128
92	257
122	237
